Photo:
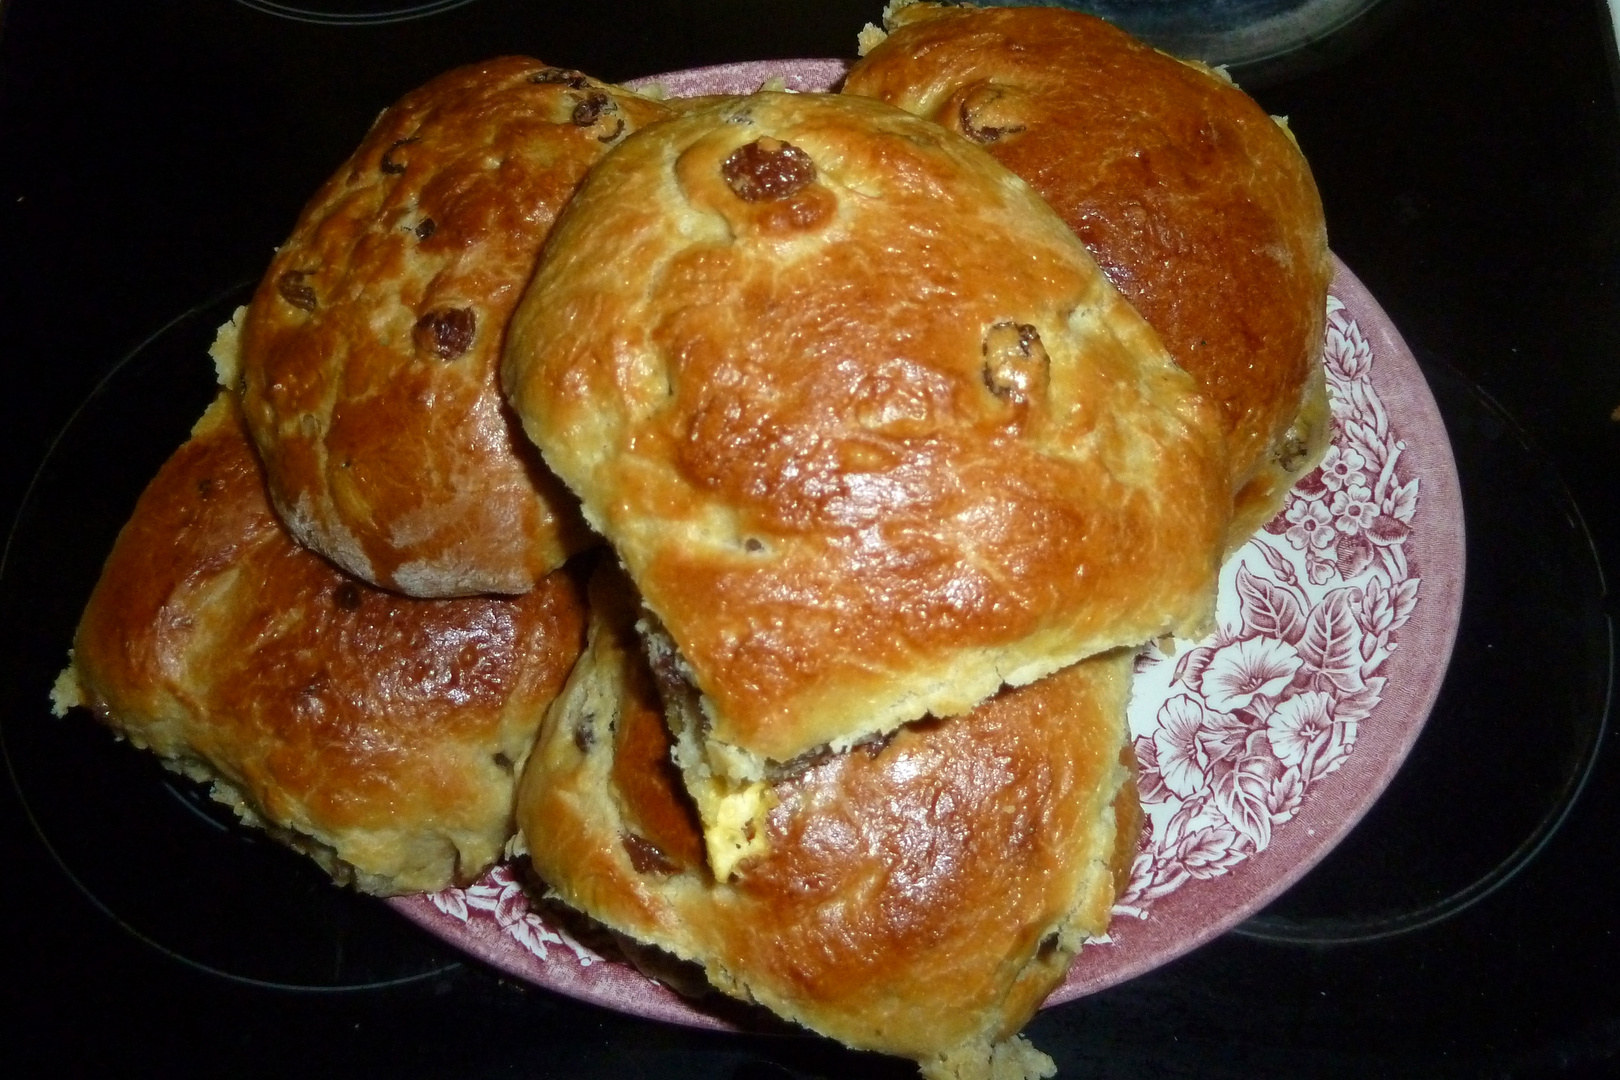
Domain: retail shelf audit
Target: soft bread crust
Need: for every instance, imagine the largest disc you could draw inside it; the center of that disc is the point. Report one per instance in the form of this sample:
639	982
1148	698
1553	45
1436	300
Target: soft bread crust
369	352
1198	206
869	450
919	897
379	733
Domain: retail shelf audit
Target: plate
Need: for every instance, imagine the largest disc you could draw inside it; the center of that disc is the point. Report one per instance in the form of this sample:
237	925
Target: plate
1260	747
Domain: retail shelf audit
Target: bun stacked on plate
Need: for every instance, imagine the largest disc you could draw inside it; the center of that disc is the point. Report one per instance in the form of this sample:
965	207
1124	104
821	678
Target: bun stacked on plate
870	431
380	734
920	895
1198	205
368	354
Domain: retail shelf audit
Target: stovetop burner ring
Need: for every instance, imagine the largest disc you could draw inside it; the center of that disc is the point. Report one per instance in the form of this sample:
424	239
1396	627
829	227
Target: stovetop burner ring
1519	725
136	842
353	12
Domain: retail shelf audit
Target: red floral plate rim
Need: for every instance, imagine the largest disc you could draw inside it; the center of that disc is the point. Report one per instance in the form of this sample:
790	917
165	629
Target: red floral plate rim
1260	747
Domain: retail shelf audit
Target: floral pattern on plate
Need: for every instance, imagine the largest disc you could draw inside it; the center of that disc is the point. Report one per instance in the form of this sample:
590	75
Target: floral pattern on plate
1232	736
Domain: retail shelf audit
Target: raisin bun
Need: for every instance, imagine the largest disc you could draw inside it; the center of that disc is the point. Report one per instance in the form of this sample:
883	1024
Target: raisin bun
1198	205
920	896
870	431
380	734
368	355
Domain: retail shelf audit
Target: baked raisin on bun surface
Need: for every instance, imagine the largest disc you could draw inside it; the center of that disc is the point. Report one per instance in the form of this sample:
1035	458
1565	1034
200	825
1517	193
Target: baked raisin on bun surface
380	734
918	896
1198	206
368	354
871	433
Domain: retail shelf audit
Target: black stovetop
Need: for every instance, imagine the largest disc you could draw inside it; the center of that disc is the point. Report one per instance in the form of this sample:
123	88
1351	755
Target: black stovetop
1468	153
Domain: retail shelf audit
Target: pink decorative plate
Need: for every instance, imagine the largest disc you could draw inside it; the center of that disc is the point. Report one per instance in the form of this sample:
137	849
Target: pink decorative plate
1261	747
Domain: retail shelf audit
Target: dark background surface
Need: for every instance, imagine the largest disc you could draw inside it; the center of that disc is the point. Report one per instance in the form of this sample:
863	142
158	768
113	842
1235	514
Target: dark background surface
152	155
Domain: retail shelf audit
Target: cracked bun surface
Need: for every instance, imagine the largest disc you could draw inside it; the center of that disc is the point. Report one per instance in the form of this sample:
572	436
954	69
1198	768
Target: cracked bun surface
380	734
868	428
368	354
919	896
1199	207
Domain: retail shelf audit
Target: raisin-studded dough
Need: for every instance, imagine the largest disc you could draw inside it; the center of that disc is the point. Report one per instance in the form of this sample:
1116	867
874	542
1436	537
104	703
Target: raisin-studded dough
380	734
1198	206
919	896
869	429
368	355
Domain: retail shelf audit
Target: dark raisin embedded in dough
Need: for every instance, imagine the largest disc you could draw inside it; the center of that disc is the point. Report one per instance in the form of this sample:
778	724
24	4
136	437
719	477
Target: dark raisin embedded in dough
388	164
584	735
293	290
1292	453
754	543
564	76
986	116
347	596
590	110
446	332
426	228
645	855
767	169
875	746
984	135
776	772
1015	362
503	762
667	674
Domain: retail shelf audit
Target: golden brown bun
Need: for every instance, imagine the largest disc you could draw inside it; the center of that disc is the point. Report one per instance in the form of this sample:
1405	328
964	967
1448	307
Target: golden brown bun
920	896
368	354
865	423
380	734
1198	206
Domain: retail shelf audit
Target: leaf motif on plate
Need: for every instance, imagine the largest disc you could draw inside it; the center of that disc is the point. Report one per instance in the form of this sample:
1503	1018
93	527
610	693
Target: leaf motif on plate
1240	790
1192	664
1331	642
1269	609
1353	552
451	902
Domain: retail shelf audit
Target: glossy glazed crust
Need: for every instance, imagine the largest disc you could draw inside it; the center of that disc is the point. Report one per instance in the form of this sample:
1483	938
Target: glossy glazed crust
803	424
1198	205
920	897
379	733
369	352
